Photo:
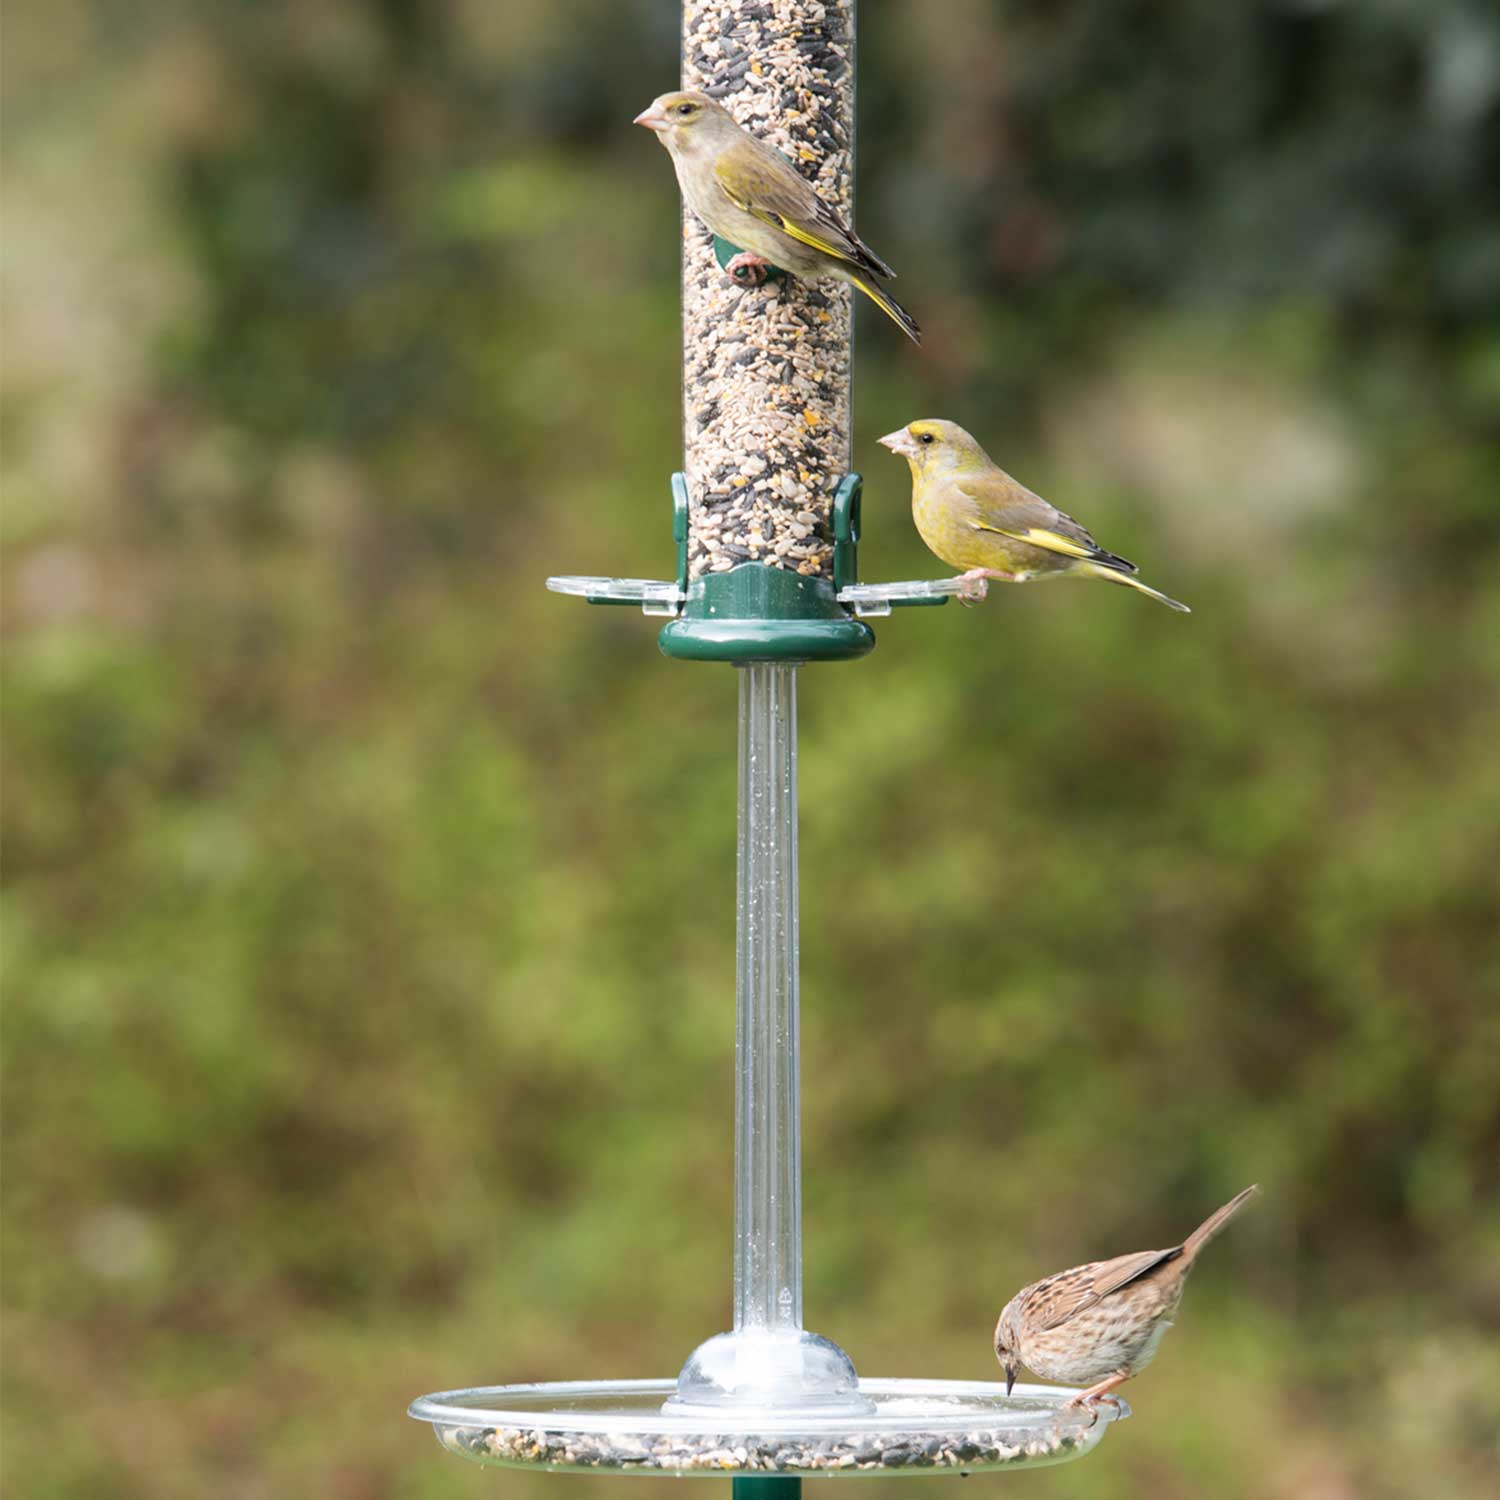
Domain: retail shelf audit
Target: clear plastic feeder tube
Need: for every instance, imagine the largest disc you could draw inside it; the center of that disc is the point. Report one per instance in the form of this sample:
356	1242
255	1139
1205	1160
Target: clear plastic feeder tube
769	1362
766	387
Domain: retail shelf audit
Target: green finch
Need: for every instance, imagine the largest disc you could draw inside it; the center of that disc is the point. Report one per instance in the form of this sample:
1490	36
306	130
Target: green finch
975	516
749	194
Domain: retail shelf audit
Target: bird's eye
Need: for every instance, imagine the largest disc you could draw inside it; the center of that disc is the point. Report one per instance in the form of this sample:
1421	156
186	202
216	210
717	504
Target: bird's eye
924	437
684	109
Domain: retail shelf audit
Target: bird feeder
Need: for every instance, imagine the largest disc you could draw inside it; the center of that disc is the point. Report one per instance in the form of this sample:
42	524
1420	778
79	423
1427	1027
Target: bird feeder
766	521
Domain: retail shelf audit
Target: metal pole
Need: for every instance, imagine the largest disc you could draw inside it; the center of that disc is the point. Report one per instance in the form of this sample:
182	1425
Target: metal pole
767	1487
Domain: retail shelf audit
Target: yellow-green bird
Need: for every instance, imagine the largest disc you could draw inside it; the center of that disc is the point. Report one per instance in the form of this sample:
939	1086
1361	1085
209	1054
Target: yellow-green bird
975	516
749	194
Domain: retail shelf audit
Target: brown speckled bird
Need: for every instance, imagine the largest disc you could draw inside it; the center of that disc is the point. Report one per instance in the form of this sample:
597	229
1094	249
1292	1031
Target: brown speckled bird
1099	1324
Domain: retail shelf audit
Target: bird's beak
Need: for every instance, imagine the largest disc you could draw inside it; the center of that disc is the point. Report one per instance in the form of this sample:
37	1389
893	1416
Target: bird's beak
900	441
1010	1379
653	118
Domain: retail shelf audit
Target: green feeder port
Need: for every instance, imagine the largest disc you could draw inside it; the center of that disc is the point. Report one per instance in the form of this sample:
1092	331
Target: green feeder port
756	613
724	252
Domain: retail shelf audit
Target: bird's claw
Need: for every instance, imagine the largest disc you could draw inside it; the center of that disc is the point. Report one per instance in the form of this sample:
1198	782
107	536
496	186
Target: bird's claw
746	269
972	589
1083	1401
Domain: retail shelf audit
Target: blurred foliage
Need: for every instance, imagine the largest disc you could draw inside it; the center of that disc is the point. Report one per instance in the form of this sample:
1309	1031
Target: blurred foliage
368	926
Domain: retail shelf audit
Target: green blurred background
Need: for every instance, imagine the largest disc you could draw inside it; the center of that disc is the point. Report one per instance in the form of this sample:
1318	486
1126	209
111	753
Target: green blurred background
368	924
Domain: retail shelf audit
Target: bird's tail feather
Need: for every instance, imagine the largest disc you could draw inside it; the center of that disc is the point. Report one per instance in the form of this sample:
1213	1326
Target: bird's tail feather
1113	575
890	307
1114	562
1216	1221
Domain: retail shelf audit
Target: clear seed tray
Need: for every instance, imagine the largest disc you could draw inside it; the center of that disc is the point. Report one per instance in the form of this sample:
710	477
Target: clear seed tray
620	1427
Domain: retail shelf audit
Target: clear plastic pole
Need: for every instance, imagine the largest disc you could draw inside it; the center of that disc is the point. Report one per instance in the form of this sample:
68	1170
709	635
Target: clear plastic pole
768	1143
769	1361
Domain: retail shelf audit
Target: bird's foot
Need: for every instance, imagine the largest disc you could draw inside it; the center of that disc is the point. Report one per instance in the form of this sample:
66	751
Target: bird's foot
1112	1402
975	583
972	586
746	269
1096	1395
1093	1405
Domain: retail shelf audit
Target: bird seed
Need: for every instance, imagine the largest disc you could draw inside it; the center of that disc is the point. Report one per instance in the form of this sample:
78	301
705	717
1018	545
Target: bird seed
766	369
748	1453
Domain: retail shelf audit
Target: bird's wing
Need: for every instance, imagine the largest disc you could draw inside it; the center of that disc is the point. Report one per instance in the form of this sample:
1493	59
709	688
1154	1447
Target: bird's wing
755	179
1024	517
1074	1291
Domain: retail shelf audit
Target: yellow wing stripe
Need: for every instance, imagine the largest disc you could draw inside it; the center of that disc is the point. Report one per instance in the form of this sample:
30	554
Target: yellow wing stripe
798	233
779	221
1049	541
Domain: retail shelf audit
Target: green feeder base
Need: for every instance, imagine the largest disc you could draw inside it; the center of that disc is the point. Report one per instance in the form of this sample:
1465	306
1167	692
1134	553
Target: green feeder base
756	613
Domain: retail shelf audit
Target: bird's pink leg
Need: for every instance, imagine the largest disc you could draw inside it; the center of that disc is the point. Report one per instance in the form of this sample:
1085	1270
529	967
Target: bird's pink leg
1100	1392
975	586
746	269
